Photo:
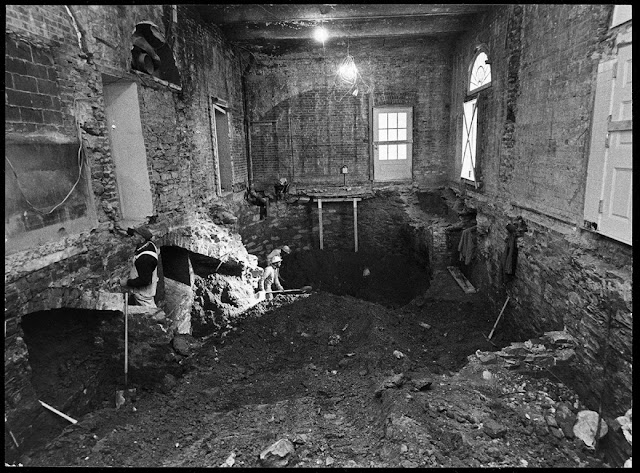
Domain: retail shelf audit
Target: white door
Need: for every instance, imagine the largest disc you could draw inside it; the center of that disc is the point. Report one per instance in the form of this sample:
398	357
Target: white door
616	205
392	143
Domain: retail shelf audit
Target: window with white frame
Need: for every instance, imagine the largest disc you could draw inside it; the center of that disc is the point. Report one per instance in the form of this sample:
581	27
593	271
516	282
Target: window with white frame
479	79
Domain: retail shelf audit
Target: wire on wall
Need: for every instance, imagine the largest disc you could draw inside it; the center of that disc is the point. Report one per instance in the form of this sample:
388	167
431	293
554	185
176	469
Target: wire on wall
80	156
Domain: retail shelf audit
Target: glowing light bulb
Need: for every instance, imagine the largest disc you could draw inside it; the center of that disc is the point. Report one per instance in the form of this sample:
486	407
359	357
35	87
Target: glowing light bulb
320	34
348	72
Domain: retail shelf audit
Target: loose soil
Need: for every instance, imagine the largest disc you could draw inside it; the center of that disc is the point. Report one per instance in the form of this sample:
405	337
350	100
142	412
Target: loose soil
323	371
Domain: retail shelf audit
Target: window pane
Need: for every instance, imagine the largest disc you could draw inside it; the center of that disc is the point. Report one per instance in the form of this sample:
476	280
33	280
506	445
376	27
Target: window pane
480	72
393	120
383	136
402	120
402	151
393	152
393	135
382	120
382	155
402	134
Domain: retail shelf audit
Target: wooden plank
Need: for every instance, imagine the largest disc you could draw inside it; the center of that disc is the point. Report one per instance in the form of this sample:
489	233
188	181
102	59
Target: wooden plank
355	224
339	199
462	281
320	221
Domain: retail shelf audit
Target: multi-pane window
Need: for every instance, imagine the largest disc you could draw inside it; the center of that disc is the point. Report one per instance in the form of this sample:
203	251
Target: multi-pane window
392	127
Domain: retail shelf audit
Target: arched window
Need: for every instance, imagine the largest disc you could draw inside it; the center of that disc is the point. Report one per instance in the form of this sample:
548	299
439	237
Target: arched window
479	79
480	72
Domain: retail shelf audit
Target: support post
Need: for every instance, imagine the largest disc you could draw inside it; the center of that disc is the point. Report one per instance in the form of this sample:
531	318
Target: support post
355	224
320	220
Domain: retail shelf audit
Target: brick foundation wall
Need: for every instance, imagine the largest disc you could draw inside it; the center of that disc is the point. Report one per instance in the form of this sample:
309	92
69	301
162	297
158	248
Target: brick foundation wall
533	161
54	83
305	127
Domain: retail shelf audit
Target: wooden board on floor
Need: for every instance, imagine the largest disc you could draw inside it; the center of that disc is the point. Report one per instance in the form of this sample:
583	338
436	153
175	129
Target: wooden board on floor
462	281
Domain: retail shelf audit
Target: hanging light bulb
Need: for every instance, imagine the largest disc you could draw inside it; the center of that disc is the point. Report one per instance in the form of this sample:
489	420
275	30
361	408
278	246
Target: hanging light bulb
348	70
321	34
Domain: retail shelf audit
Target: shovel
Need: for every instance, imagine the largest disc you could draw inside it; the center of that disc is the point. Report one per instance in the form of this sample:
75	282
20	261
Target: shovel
302	290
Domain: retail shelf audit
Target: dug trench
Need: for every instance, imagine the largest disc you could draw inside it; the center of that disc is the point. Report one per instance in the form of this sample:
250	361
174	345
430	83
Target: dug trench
405	378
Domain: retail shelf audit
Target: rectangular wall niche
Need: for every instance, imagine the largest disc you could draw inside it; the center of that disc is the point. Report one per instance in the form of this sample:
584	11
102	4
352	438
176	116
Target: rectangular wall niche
39	175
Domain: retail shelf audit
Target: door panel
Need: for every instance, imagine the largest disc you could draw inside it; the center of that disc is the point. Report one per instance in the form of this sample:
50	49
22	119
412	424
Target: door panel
616	217
392	143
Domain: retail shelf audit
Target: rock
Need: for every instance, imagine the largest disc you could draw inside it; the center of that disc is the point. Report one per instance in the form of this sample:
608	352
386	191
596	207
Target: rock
278	454
168	383
627	464
398	354
395	381
422	384
487	375
408	464
329	461
493	429
489	358
624	423
565	418
556	432
181	344
586	426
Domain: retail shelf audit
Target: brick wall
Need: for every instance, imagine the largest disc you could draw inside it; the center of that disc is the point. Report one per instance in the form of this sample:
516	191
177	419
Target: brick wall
330	127
53	83
533	160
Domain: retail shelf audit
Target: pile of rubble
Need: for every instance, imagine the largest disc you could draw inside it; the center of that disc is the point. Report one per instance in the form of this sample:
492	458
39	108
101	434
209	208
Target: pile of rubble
563	419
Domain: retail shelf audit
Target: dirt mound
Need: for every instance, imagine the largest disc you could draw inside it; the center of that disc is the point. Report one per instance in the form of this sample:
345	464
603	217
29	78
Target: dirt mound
348	383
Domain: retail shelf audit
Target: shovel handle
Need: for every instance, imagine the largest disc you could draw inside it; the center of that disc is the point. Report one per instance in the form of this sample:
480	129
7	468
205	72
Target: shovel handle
499	316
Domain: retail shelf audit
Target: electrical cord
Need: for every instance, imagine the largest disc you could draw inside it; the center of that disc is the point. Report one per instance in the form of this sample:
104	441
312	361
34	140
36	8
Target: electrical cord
80	166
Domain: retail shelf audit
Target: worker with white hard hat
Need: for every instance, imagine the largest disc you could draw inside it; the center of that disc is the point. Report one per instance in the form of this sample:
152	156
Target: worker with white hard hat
278	251
270	280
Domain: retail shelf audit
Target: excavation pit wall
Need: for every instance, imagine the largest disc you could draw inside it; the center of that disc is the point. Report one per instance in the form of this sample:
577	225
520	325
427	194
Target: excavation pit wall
393	245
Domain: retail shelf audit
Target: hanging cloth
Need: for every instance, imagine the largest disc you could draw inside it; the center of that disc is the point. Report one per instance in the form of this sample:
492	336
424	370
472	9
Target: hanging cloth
510	256
467	245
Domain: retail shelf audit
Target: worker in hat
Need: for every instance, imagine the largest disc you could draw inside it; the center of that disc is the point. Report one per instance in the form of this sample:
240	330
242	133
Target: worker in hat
143	277
278	252
281	252
270	280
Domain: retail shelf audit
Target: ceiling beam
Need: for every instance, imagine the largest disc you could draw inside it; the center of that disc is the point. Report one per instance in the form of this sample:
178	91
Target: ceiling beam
263	13
355	28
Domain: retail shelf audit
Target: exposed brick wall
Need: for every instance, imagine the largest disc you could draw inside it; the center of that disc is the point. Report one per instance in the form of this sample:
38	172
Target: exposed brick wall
53	82
533	163
328	128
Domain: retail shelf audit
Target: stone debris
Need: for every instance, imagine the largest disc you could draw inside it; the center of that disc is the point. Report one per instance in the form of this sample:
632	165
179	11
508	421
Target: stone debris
398	354
334	339
278	454
424	325
586	426
230	461
395	381
422	384
493	429
624	422
552	349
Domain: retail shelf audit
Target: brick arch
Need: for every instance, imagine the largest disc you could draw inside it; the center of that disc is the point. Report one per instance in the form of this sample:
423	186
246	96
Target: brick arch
73	298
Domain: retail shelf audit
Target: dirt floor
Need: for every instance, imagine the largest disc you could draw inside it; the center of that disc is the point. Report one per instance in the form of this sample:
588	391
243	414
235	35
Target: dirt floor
347	382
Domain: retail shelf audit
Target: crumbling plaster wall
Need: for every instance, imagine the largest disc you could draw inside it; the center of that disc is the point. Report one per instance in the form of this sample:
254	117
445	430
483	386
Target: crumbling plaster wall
307	127
62	54
533	160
